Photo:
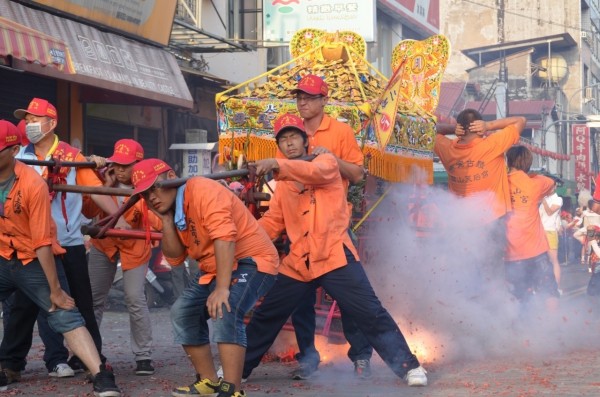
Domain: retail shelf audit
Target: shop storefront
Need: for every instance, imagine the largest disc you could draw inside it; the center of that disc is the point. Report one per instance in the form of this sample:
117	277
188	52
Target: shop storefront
106	87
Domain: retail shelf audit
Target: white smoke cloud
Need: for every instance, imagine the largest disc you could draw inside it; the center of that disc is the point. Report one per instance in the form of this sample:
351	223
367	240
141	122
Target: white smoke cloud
437	295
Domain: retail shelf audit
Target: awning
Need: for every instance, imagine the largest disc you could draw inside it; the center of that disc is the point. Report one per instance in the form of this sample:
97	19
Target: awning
529	108
485	54
28	44
106	60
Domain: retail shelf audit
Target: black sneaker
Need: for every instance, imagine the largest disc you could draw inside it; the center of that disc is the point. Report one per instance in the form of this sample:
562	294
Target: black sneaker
12	376
76	364
3	381
104	384
144	367
228	390
304	371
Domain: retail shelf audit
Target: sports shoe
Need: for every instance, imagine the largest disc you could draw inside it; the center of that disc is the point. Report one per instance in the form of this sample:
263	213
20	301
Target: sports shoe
144	367
304	371
12	376
3	380
104	384
228	390
61	370
76	364
416	377
201	387
362	369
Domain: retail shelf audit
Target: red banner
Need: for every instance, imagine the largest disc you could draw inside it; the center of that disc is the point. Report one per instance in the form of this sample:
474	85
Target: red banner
581	151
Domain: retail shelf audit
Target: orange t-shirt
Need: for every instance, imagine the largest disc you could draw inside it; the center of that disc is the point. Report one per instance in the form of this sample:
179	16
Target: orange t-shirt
525	234
27	221
596	196
477	171
338	138
213	212
310	204
133	252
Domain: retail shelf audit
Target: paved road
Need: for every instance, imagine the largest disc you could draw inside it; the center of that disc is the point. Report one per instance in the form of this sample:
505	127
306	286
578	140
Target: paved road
559	358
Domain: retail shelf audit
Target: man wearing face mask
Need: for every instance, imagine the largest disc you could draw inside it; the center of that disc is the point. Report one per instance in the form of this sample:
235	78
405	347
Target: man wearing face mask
41	120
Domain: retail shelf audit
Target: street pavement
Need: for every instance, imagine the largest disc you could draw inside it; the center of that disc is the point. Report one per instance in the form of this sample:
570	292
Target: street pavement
569	369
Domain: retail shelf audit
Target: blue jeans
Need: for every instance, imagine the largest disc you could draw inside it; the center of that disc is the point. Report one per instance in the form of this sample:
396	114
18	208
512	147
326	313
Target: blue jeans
31	280
20	315
189	314
351	288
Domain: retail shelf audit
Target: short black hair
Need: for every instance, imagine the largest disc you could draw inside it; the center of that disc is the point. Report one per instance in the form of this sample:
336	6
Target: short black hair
519	157
466	117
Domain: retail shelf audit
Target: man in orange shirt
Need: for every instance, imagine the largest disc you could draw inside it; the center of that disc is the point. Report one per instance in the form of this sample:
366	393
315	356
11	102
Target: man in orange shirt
41	120
477	174
528	266
310	204
238	263
27	262
327	135
133	254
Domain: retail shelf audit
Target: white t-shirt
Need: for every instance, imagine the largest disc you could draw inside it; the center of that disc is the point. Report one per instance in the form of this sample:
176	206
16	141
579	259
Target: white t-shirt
551	222
590	218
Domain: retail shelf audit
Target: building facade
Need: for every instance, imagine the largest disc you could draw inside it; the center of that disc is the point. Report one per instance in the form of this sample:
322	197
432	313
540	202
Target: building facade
540	55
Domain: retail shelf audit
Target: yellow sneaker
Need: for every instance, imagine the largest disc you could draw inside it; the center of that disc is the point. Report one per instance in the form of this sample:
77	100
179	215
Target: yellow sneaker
202	387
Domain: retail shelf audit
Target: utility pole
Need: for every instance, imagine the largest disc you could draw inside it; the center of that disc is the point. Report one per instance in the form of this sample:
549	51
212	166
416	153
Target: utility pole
502	89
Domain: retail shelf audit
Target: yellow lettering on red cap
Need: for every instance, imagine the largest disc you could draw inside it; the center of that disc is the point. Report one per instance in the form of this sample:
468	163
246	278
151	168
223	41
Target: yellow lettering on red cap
137	176
122	148
160	166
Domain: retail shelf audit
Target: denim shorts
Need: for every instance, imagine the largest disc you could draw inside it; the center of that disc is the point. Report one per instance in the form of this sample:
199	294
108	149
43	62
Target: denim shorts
32	281
533	275
189	314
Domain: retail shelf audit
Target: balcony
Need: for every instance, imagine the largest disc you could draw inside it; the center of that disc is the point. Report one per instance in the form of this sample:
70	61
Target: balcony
188	36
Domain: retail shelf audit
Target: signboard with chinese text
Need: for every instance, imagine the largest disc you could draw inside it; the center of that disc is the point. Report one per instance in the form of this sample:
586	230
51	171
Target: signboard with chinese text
581	152
197	158
196	162
149	19
282	18
106	60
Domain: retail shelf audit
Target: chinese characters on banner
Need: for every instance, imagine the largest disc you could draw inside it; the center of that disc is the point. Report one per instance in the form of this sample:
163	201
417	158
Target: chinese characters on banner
385	113
581	150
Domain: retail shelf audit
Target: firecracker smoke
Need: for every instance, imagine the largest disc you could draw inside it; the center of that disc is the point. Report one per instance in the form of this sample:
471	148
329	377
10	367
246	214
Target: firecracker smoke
448	306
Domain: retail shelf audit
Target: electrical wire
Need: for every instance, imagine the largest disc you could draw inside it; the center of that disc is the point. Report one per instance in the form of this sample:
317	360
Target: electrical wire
515	13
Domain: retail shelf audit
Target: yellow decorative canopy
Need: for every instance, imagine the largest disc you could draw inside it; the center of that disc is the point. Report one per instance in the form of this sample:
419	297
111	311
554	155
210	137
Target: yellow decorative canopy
356	92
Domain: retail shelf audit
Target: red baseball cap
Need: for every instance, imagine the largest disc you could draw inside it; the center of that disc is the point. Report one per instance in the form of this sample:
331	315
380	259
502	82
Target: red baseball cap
22	133
9	135
127	151
288	120
38	107
313	85
146	172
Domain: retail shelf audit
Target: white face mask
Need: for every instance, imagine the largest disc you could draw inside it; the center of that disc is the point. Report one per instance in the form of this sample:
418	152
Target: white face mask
34	132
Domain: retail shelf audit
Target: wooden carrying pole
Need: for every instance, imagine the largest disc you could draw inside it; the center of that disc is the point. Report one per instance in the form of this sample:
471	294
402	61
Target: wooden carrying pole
171	183
137	234
101	227
53	163
107	191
